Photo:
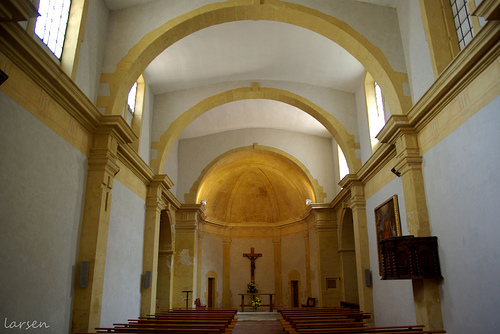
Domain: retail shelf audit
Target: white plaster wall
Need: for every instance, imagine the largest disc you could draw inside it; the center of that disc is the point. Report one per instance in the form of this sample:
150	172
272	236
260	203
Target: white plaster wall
314	152
461	182
121	297
416	49
127	26
42	186
212	260
392	299
169	106
240	269
91	54
171	169
293	257
378	24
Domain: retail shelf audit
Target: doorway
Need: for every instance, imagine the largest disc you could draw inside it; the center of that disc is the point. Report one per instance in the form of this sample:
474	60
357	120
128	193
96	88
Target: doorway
295	293
210	292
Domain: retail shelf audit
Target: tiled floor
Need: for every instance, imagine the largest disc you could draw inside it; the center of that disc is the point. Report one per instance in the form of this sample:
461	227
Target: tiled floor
258	323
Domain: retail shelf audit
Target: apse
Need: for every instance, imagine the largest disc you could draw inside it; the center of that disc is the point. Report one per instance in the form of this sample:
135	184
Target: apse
255	187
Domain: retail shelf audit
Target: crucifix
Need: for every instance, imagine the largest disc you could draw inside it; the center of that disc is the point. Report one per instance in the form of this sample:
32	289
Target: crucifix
252	256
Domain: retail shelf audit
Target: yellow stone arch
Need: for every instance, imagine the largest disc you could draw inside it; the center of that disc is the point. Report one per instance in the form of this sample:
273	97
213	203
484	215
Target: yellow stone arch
156	41
337	130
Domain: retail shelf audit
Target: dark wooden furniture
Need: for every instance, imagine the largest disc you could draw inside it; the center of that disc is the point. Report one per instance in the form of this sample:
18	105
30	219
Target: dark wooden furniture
409	257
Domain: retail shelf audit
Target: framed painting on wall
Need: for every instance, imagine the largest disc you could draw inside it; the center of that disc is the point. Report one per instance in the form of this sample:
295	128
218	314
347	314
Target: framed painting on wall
387	223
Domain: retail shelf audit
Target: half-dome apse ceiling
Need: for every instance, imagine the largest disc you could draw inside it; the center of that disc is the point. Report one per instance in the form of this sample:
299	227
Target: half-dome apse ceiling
255	187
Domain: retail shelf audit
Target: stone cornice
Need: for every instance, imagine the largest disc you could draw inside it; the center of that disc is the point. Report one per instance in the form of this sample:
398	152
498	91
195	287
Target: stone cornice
470	62
17	10
36	63
116	126
376	162
489	9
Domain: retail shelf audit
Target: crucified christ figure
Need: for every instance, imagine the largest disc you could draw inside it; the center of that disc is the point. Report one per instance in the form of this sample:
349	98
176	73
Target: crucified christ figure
252	256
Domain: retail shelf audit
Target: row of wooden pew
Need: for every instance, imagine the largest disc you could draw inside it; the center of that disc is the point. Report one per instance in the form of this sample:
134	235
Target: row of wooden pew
338	321
191	321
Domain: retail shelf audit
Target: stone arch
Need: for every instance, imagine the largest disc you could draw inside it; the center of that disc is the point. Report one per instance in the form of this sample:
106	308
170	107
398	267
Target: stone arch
337	130
156	41
192	196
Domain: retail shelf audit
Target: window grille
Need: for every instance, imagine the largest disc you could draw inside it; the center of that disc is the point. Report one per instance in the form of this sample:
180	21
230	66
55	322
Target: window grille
51	24
331	283
132	95
463	23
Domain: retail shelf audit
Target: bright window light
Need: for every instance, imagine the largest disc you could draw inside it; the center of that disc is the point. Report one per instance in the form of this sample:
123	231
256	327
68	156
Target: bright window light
51	24
376	115
131	98
343	168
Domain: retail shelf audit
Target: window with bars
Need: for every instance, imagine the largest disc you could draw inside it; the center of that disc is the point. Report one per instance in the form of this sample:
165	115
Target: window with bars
52	23
463	22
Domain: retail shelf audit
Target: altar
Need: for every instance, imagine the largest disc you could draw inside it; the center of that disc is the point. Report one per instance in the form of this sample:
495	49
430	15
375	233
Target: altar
271	305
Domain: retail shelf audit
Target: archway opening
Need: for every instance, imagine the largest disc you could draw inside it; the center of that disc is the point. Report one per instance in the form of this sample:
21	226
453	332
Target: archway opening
348	260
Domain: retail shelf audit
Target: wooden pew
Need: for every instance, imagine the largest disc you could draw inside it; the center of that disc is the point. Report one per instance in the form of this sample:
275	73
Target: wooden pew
199	321
340	321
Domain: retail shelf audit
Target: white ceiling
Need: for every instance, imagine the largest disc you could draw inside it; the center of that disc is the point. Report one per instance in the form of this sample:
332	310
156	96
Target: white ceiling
252	51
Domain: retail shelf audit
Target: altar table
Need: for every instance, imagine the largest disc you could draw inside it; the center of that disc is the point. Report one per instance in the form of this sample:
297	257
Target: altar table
256	294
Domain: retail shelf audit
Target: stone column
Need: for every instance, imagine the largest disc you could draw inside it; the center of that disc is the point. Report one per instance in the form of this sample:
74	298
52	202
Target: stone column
155	203
409	164
186	250
278	272
103	166
328	255
357	204
226	278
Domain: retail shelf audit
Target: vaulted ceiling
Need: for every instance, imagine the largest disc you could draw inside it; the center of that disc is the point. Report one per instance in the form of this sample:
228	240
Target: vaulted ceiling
253	51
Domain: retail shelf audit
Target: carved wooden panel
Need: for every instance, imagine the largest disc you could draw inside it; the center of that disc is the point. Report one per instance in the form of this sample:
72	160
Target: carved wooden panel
410	257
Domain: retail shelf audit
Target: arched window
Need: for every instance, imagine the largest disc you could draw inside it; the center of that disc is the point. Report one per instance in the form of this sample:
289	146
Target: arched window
135	107
132	96
375	108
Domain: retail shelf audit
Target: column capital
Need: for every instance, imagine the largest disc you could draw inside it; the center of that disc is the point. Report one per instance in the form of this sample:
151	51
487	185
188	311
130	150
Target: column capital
157	197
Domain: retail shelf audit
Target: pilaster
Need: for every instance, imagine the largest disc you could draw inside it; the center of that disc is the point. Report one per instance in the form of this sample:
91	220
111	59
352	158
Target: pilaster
103	166
426	296
155	203
357	204
328	257
185	255
308	261
226	278
198	263
278	272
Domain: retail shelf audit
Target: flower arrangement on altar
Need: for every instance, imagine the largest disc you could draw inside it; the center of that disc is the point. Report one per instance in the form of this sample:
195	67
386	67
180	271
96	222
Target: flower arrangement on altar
252	288
256	302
